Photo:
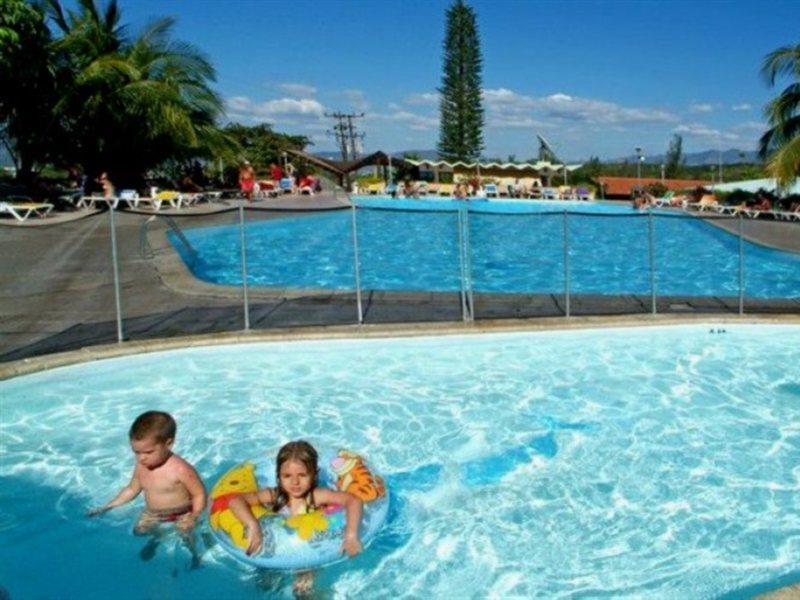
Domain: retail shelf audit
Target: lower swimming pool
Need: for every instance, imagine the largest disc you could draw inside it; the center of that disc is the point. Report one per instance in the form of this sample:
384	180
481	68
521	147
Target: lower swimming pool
515	247
655	462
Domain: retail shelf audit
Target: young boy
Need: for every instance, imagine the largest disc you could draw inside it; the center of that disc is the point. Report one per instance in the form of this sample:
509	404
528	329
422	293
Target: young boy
173	492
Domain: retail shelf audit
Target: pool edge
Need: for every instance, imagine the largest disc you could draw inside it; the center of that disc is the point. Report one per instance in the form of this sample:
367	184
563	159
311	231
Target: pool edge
27	366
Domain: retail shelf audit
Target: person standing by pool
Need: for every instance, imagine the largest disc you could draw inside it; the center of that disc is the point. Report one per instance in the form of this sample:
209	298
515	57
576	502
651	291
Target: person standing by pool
276	174
173	491
105	183
247	179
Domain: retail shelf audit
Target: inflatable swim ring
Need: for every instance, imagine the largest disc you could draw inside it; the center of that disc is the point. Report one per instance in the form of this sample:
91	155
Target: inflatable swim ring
299	541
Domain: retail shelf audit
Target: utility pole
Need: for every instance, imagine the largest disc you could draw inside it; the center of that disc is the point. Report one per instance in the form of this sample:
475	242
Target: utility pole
345	133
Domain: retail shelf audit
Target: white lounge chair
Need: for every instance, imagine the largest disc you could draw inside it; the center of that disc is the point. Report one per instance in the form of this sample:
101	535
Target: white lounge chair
549	193
22	210
490	190
91	202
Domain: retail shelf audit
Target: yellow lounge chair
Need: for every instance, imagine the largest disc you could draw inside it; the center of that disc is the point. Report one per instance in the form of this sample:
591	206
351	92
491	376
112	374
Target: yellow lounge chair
375	188
447	189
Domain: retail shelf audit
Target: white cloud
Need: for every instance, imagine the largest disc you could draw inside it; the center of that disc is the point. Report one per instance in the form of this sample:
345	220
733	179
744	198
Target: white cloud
412	120
299	90
587	110
750	127
282	110
426	99
704	132
743	106
357	99
701	107
506	108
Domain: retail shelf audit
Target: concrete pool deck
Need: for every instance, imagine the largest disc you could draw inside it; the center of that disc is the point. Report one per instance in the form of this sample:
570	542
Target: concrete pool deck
57	286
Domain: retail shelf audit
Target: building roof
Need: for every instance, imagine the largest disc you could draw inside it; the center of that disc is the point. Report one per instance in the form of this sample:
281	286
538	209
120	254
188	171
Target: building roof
539	165
623	186
753	185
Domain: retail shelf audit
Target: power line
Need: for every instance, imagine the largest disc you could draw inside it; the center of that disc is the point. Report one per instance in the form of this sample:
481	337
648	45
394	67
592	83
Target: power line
344	131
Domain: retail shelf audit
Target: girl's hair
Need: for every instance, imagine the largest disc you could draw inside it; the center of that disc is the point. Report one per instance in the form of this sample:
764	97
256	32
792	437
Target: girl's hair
304	453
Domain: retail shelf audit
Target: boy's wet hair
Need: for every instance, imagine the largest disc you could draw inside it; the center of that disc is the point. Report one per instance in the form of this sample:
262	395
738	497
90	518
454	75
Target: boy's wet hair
155	424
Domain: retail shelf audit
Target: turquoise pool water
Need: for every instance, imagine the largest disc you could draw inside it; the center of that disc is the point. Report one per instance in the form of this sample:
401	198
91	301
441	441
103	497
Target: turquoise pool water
515	247
656	462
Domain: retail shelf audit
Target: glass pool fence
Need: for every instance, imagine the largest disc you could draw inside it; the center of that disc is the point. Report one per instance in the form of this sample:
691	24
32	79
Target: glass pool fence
128	275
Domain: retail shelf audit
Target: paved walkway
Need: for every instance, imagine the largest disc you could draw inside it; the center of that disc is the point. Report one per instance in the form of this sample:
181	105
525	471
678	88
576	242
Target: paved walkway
56	288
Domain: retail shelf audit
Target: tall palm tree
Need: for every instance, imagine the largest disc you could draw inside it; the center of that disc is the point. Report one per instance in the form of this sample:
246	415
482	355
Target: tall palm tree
132	104
780	145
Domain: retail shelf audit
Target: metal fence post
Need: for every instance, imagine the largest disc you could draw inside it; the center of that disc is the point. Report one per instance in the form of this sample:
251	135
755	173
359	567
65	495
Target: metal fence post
244	269
461	265
115	264
741	264
356	264
652	260
468	267
566	265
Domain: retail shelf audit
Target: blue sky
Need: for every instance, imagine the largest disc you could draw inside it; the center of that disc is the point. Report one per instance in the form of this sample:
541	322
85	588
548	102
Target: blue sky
595	78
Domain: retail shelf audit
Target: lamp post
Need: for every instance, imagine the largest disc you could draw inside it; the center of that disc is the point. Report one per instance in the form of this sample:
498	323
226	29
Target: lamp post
663	178
639	159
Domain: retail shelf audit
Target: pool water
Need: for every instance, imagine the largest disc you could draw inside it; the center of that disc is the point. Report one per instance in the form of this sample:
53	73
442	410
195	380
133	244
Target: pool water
515	247
654	462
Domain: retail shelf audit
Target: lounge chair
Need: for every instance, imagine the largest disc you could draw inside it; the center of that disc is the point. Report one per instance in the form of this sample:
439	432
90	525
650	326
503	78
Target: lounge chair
421	187
490	190
391	189
549	193
665	200
583	194
375	188
447	189
91	202
535	192
433	188
287	185
787	215
708	202
22	210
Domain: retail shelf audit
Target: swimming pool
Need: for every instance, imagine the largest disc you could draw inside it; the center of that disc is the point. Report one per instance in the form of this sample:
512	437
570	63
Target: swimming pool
655	462
515	247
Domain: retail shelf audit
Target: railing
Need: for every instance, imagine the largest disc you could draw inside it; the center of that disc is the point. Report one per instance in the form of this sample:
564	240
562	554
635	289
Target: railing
241	268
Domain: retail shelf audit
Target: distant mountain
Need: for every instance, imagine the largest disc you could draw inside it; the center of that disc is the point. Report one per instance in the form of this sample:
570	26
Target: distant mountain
693	159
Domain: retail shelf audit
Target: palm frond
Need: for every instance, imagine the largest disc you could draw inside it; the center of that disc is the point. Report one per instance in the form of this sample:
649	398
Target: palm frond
780	62
784	163
56	14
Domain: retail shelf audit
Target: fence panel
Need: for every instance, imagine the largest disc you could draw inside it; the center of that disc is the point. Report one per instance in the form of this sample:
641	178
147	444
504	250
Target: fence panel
697	263
183	269
300	268
410	262
517	263
56	286
609	263
771	277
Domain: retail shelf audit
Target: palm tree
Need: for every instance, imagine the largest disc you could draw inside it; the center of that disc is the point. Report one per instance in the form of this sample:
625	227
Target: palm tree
780	145
131	105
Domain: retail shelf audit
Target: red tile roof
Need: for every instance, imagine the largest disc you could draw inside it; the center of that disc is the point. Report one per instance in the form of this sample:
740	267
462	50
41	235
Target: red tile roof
622	186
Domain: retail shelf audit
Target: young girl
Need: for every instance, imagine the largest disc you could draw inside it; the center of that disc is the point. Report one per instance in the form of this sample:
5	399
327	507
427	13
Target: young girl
297	493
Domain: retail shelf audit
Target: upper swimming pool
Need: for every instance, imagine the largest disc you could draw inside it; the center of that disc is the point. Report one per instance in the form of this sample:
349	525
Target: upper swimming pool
515	247
658	462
